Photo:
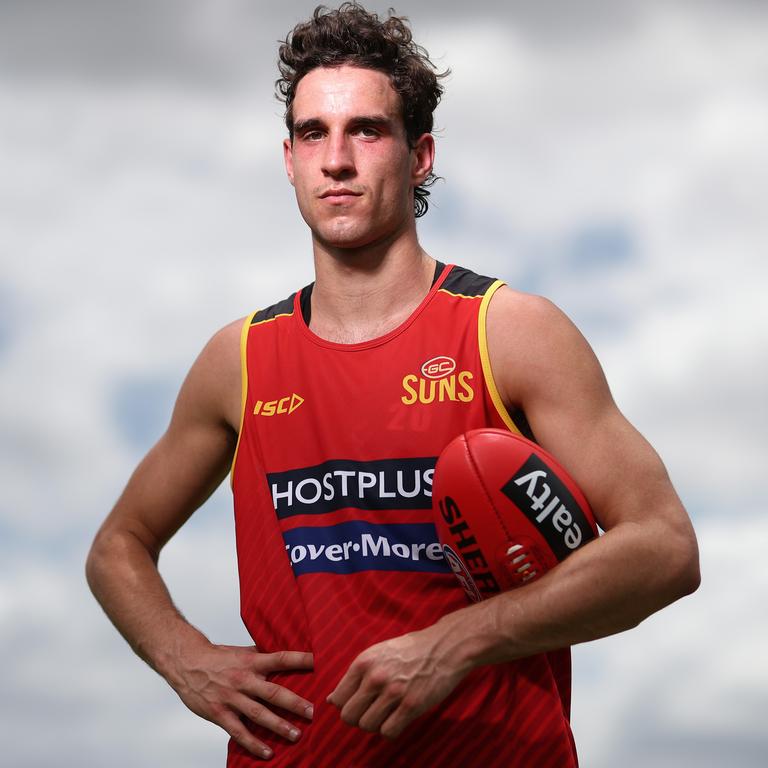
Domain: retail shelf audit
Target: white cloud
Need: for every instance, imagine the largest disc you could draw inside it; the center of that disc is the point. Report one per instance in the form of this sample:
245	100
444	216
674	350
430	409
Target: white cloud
137	218
72	674
696	670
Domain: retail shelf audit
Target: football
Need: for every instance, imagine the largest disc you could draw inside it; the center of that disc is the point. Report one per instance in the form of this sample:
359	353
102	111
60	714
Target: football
506	512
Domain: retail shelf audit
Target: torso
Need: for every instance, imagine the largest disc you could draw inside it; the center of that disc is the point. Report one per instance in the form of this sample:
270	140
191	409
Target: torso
336	546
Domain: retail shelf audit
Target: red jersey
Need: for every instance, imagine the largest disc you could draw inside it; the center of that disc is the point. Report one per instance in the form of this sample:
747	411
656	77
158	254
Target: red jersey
336	544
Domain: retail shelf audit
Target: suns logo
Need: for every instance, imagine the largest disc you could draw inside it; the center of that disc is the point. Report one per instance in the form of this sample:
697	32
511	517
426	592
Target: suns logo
438	382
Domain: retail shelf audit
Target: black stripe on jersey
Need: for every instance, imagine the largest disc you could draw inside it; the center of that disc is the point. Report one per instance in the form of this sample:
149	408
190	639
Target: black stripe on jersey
305	302
284	307
466	283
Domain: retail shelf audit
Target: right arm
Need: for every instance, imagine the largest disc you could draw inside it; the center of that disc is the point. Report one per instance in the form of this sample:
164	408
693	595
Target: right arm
219	683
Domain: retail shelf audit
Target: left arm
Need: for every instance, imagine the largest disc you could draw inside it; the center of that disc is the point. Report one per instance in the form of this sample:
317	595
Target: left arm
646	559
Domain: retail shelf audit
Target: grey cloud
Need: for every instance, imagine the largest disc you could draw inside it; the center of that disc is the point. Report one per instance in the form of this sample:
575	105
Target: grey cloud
217	43
141	405
140	218
179	40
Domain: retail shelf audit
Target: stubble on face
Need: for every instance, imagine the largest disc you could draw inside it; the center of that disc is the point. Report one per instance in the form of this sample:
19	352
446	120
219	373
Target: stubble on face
349	160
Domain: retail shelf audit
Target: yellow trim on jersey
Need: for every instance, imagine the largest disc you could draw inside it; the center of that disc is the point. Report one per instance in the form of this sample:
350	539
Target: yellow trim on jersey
243	389
270	319
459	295
485	358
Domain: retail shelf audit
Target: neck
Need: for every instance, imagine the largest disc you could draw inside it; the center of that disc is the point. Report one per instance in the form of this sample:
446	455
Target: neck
363	293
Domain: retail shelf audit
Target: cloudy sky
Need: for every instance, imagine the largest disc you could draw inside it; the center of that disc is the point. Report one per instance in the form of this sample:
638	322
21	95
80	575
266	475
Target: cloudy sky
610	155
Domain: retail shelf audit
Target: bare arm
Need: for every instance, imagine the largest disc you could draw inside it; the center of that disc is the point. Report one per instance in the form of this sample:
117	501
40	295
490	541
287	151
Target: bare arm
647	558
180	472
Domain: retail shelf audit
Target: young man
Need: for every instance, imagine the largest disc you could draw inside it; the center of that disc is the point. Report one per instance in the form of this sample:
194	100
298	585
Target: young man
331	419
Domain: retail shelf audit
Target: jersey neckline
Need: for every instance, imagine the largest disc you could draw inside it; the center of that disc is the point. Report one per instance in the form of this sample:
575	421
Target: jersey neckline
298	317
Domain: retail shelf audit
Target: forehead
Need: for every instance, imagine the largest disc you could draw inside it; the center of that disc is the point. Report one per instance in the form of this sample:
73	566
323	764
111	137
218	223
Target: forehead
345	91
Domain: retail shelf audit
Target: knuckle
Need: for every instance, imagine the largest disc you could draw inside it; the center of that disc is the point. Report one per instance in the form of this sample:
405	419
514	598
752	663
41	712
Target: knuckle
238	678
218	712
395	689
378	677
269	691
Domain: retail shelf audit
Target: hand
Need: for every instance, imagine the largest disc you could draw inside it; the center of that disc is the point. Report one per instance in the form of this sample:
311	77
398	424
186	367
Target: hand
221	683
390	684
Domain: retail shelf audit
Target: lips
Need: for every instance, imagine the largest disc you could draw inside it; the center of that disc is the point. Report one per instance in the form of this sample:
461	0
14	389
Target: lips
339	195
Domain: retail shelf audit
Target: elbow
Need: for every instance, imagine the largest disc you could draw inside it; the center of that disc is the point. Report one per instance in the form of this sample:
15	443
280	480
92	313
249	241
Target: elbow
691	579
110	547
116	551
95	562
685	573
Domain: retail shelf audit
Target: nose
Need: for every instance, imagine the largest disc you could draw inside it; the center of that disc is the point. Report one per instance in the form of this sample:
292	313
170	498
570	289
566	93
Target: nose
338	160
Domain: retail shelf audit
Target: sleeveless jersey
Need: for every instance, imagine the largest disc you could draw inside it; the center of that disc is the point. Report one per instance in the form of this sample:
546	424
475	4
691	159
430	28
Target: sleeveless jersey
336	544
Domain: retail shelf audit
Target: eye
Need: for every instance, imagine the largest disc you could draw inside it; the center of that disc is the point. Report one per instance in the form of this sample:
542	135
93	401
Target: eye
312	135
368	132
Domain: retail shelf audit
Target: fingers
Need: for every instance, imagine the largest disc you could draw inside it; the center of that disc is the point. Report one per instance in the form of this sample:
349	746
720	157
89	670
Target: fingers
258	714
232	724
227	684
347	685
399	719
278	696
283	660
358	705
374	715
261	715
366	697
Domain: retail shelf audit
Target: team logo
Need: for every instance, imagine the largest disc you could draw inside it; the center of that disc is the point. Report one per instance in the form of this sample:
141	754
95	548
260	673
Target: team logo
439	381
438	367
287	404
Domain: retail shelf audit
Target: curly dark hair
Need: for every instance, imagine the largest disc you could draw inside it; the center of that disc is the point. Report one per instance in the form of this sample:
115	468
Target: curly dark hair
351	35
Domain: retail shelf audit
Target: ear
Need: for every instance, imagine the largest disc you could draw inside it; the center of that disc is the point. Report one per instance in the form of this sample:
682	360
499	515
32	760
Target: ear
422	158
288	158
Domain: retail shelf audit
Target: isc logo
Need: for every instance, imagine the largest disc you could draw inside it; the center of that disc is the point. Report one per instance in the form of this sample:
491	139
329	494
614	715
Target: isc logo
287	404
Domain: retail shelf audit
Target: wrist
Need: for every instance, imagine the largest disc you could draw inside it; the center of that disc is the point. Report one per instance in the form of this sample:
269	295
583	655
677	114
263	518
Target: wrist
175	657
466	638
475	635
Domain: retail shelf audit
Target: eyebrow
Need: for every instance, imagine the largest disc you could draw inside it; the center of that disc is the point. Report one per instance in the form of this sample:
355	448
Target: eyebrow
313	123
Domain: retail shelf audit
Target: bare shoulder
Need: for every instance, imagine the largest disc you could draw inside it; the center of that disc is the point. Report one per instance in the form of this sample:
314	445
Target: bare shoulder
527	318
536	350
213	385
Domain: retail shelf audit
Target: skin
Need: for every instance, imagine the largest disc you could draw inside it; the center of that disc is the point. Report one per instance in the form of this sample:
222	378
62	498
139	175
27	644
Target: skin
350	137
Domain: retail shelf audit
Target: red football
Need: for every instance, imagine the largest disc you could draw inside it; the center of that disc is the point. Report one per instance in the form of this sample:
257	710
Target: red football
505	511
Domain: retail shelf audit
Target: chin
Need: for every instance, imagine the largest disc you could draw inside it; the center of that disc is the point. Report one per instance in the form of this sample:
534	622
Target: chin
347	236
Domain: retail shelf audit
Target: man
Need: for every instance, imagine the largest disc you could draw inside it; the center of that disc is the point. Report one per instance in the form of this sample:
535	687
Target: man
327	410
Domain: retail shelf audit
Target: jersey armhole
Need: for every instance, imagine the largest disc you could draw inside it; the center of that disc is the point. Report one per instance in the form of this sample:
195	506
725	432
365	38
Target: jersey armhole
243	389
485	359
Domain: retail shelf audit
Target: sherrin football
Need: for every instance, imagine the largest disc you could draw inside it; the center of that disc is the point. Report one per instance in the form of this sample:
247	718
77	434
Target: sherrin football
506	512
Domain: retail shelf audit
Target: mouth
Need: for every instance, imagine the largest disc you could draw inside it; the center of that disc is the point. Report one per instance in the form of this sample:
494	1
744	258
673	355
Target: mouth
339	195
